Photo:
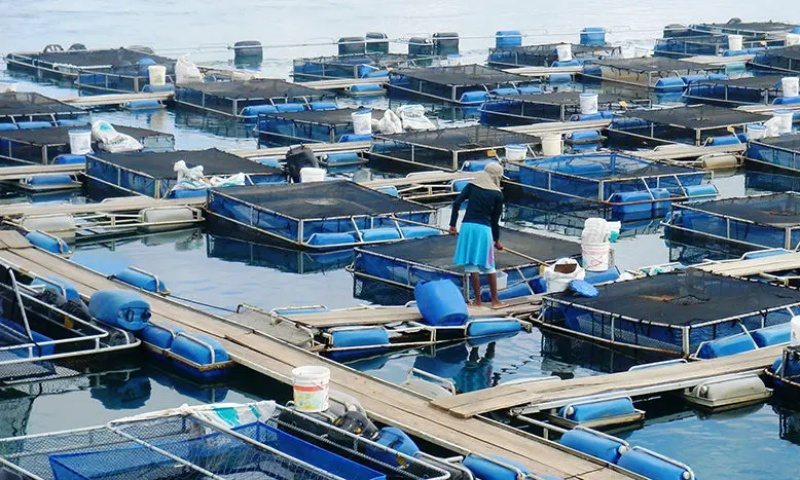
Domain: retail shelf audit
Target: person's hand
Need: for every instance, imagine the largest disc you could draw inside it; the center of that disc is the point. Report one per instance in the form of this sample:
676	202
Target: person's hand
452	231
498	245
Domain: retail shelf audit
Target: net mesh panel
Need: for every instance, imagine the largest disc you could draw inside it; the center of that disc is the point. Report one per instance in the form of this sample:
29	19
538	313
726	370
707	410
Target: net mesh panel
654	64
745	26
30	103
376	60
258	88
465	138
115	58
765	82
60	135
473	75
697	117
322	200
160	164
792	52
566	98
790	142
779	209
332	117
606	166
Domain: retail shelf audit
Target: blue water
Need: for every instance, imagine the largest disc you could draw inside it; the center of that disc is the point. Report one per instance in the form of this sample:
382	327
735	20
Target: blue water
755	442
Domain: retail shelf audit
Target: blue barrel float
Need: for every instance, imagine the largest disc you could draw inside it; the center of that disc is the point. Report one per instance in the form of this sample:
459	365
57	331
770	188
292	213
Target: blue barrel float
195	355
441	303
120	308
47	242
654	466
596	444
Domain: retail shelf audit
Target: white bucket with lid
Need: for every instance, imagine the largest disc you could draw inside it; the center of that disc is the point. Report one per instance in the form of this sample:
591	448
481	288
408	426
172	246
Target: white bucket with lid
310	386
157	74
785	119
516	153
790	87
551	144
792	39
564	52
311	174
588	103
362	121
756	131
794	329
596	257
80	142
735	42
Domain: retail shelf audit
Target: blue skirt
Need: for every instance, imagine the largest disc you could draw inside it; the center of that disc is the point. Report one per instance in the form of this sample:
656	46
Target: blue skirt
475	248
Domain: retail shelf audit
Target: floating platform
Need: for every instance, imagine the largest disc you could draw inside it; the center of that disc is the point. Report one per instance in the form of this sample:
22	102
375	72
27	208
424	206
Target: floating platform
467	85
687	46
44	145
230	98
153	173
448	148
309	126
738	27
782	153
106	70
545	55
660	74
21	110
738	91
672	313
692	125
321	215
785	60
632	188
753	222
364	65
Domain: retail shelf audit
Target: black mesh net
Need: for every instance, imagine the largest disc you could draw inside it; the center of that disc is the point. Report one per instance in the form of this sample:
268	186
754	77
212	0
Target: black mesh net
685	298
60	135
697	117
329	117
468	75
792	52
115	58
568	98
654	64
160	164
747	26
764	82
438	251
779	209
791	142
29	103
260	88
322	200
465	138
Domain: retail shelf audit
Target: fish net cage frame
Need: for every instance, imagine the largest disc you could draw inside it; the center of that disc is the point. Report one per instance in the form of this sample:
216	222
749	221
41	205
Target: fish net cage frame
645	72
737	91
782	152
156	435
303	126
32	106
448	84
698	45
560	108
785	59
543	55
748	29
349	66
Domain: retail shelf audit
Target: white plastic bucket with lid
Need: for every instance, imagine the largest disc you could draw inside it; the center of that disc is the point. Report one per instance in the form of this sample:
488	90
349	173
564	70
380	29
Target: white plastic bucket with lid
735	42
362	121
588	103
790	87
551	144
785	117
794	329
596	257
756	131
80	142
564	52
311	174
157	74
792	39
516	153
310	386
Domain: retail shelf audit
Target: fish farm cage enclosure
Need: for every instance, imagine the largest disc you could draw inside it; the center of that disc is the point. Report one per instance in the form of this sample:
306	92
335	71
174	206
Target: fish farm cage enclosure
672	312
658	73
314	126
20	110
785	59
687	46
546	55
735	91
781	152
364	65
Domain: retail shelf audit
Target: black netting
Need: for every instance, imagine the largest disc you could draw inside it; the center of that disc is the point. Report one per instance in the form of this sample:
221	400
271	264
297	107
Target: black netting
114	58
29	103
567	98
60	135
779	209
330	117
697	117
374	59
791	142
792	52
764	82
322	200
465	138
685	298
654	65
754	27
259	88
160	164
465	75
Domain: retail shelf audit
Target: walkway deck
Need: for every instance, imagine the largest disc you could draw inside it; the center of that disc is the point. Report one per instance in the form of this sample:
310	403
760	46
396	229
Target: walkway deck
25	171
113	204
384	402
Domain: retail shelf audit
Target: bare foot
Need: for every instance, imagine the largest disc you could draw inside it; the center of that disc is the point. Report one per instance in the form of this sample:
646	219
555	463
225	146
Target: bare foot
497	304
476	303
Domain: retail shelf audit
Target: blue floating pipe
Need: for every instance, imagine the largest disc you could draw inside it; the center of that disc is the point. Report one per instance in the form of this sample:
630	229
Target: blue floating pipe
58	285
769	336
723	140
69	122
493	326
596	444
441	303
58	179
384	234
144	105
359	337
346	158
499	468
256	110
352	137
159	336
598	410
200	356
723	347
670	84
322	106
47	242
395	440
290	107
419	231
654	466
69	159
35	125
474	97
559	78
141	279
504	91
701	191
366	89
529	90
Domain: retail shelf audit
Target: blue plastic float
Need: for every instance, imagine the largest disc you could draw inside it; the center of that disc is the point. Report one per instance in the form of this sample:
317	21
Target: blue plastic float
120	308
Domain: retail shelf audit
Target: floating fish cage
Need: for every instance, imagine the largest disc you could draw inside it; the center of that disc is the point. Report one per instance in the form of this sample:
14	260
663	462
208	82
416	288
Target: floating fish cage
364	65
735	26
224	441
233	97
468	85
659	74
448	148
309	126
777	152
404	264
679	47
550	107
546	55
153	173
23	110
109	70
692	125
753	222
779	59
737	91
632	188
320	215
45	144
673	313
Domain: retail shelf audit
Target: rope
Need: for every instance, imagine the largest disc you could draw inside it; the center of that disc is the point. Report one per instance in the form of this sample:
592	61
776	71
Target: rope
197	302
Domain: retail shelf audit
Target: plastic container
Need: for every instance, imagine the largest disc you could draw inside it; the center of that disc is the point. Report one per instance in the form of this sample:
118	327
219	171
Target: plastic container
593	36
588	103
80	142
120	308
362	121
785	117
790	87
722	347
311	174
756	131
552	144
735	42
595	444
310	386
157	75
508	39
564	52
794	335
48	242
596	256
441	303
516	153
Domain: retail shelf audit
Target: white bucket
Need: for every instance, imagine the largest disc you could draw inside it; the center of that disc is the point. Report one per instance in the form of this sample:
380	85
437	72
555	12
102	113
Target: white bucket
792	39
158	75
785	117
502	280
310	387
735	42
362	121
516	153
311	174
551	144
790	86
564	52
80	142
794	328
596	256
756	131
588	103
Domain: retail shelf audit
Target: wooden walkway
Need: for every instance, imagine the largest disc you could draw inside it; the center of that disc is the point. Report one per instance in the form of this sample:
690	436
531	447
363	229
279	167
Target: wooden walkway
384	402
754	266
110	205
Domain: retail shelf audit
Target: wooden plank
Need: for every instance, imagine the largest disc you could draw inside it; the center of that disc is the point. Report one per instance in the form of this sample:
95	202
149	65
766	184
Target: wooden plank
753	266
542	71
25	171
110	205
676	151
384	402
557	127
114	98
341	83
12	239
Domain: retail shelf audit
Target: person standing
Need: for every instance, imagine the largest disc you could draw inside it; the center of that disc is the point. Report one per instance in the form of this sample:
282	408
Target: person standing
480	229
